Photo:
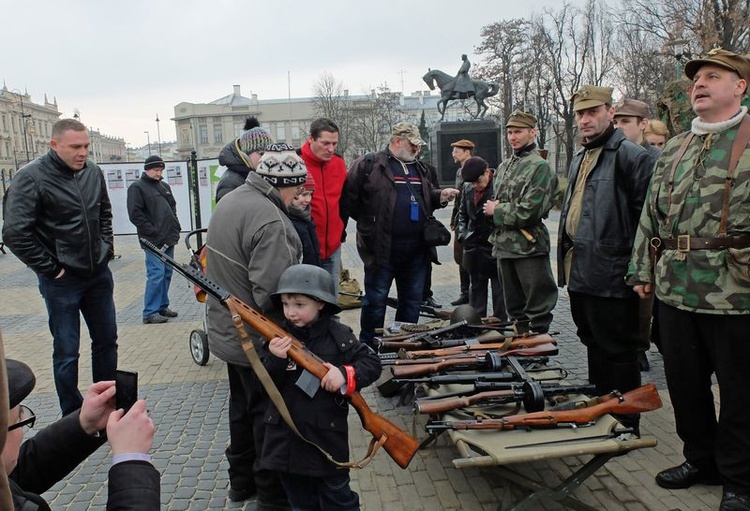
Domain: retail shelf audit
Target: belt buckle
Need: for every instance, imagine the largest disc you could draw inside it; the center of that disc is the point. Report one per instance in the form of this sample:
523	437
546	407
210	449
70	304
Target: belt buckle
683	243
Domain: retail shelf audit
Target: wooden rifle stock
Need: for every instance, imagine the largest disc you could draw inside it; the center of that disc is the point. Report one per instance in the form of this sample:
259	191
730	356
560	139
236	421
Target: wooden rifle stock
515	343
642	399
409	370
400	446
531	394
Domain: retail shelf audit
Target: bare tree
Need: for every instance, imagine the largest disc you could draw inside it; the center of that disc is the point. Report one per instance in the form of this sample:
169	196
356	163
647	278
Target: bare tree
331	99
705	23
373	118
503	49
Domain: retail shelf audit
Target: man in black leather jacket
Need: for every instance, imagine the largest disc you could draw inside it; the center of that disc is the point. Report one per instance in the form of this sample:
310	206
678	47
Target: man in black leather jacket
607	185
59	223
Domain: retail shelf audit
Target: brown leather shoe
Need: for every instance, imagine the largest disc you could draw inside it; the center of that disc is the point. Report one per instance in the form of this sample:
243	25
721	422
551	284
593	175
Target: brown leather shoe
685	476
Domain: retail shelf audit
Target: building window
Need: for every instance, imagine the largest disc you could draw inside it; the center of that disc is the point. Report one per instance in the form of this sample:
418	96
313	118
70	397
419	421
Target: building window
202	134
296	133
218	138
280	132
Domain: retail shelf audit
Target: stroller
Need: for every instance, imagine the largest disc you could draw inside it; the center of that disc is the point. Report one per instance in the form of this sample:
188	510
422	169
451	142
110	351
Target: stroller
198	339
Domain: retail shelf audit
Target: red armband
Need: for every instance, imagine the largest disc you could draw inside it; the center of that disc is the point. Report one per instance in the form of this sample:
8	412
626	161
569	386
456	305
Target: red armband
351	386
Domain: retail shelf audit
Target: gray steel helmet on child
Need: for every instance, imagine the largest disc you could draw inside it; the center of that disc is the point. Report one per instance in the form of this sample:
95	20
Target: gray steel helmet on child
310	280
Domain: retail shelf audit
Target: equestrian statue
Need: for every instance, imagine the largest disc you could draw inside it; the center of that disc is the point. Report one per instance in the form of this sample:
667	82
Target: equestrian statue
460	87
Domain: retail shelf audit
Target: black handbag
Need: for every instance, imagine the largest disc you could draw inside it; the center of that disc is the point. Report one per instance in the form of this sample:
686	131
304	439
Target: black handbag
435	234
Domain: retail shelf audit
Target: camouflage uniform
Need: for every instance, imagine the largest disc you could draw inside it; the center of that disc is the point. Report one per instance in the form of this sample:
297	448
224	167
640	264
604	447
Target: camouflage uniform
526	188
704	300
697	280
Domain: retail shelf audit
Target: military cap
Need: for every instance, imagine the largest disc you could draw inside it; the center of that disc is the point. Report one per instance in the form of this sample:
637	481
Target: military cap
740	64
521	119
590	96
464	144
631	108
411	132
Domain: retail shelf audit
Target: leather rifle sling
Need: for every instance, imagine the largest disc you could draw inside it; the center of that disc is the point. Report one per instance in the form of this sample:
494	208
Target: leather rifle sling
738	147
278	400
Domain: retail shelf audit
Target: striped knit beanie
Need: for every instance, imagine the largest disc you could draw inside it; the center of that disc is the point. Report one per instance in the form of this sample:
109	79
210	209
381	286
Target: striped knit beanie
254	139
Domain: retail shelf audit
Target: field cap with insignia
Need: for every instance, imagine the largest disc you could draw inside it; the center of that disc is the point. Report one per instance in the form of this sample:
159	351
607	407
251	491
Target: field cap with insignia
520	119
631	108
590	96
740	64
409	131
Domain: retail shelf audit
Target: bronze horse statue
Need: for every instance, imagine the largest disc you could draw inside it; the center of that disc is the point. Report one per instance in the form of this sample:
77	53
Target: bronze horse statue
445	83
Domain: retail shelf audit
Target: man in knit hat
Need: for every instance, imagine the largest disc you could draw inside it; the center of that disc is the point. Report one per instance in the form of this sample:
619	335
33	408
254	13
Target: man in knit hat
462	151
153	211
608	179
524	191
473	231
241	156
698	215
251	241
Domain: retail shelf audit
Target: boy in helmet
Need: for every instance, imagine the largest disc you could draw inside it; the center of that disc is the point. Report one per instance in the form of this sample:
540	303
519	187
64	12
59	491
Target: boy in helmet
306	293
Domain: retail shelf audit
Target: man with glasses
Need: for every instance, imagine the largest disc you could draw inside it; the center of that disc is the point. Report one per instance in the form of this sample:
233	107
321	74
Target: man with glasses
153	210
387	197
35	465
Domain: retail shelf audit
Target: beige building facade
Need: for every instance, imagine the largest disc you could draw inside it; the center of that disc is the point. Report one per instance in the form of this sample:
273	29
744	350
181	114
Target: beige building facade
208	127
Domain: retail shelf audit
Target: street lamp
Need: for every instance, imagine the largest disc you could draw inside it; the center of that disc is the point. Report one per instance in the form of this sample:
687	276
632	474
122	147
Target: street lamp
680	50
158	134
148	141
24	116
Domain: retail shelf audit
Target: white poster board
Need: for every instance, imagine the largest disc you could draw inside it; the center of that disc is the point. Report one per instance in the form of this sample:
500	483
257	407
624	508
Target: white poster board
120	176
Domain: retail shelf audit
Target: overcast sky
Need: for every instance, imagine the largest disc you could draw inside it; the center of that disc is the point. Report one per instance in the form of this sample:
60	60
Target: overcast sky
122	63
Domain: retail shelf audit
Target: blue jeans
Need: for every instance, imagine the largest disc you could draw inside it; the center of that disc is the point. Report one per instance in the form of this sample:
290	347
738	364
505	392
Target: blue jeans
67	298
408	267
329	493
158	278
333	266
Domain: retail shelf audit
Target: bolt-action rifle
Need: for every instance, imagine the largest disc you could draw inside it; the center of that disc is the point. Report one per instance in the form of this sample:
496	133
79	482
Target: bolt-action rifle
399	445
642	399
481	345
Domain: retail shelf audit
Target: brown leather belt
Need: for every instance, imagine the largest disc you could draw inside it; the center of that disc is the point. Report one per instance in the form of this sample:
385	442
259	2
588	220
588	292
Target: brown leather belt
686	243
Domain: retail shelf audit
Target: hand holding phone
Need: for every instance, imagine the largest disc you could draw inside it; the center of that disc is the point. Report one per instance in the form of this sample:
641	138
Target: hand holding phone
126	388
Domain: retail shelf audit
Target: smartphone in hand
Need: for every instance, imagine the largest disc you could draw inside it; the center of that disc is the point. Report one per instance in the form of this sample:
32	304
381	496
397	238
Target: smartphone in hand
126	386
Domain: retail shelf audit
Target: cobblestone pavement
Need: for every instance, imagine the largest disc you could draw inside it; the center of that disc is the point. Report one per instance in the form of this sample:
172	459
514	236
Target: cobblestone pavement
189	405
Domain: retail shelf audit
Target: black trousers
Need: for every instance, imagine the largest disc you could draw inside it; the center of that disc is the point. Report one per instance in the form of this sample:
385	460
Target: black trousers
695	346
608	327
246	407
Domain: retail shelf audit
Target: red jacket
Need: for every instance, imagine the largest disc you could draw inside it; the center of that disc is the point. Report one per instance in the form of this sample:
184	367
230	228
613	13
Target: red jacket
329	179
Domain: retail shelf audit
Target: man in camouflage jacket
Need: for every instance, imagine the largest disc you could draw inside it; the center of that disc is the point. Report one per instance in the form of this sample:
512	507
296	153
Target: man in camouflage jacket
524	190
698	214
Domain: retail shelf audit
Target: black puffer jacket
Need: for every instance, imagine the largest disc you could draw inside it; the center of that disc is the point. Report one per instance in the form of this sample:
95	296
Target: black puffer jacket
59	218
612	202
323	418
153	210
237	169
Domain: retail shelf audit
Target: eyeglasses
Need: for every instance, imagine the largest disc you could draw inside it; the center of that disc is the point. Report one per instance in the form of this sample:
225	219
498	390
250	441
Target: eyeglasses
25	418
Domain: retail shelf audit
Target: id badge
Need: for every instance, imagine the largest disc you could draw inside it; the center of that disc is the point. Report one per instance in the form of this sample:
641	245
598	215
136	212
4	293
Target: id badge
414	211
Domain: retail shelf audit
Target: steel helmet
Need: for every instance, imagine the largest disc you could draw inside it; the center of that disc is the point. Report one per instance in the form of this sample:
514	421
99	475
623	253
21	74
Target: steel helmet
466	312
309	280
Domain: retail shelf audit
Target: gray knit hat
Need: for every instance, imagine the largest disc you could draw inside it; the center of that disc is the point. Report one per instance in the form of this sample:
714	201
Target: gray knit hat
254	139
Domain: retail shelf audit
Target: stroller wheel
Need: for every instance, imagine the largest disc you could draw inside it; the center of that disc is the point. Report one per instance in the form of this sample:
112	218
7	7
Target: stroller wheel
199	347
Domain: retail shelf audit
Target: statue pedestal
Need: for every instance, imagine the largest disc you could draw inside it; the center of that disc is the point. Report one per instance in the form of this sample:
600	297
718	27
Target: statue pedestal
485	135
